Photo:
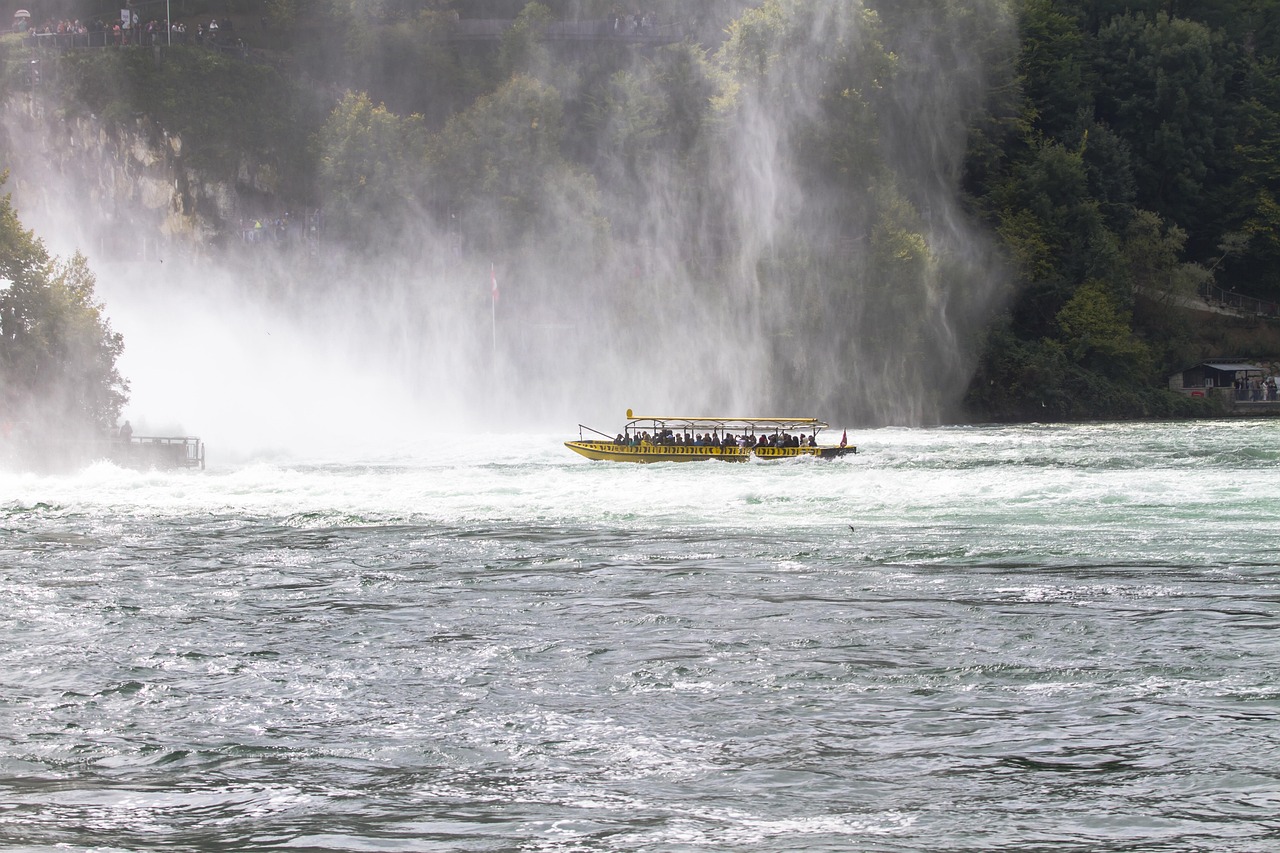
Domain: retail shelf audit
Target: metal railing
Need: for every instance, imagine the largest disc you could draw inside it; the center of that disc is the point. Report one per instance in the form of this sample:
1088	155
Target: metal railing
158	451
622	28
61	42
22	445
1240	303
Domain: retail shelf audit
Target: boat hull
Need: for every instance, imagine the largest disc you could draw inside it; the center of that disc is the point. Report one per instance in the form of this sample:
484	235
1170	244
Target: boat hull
609	451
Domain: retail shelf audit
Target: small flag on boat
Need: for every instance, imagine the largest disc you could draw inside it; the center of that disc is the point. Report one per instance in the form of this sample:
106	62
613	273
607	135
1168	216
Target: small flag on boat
493	279
844	439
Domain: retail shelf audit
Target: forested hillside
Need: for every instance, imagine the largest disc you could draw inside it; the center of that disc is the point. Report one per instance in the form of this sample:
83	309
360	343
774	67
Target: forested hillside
887	211
1134	162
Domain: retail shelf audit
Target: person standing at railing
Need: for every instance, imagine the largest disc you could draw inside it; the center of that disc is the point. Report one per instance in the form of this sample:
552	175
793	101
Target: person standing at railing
126	433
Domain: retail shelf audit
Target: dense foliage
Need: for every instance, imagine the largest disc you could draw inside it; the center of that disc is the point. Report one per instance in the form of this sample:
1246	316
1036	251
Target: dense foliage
226	112
1135	164
58	353
1078	170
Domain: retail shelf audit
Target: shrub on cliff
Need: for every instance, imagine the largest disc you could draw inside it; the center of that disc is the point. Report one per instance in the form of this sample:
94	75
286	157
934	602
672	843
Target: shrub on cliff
227	111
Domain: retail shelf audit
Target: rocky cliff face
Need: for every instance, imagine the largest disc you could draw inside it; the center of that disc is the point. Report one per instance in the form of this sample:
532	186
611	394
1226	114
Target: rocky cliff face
125	190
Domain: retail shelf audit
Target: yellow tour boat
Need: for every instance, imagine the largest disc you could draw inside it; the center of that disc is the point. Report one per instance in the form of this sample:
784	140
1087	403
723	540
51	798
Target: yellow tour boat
675	439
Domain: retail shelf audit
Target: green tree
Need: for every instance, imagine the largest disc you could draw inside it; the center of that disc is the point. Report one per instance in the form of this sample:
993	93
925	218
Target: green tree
1097	334
1055	233
281	13
58	354
1108	164
498	166
1258	191
522	51
411	65
232	117
626	122
370	164
1152	256
1162	85
1054	67
656	109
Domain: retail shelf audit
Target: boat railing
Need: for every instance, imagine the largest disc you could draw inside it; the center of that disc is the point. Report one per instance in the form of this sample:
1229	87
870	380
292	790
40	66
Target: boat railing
582	427
721	427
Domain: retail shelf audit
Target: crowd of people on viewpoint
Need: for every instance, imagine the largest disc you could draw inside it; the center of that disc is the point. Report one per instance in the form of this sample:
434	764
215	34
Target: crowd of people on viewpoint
1256	389
635	22
669	438
131	30
124	33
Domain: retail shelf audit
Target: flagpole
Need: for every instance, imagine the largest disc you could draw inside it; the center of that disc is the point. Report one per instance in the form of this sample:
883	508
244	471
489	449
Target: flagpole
493	304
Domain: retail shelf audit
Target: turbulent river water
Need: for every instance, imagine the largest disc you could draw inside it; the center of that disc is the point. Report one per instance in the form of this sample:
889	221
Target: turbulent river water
990	638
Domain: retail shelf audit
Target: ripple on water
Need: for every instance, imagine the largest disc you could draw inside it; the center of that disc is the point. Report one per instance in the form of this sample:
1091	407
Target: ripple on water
1020	638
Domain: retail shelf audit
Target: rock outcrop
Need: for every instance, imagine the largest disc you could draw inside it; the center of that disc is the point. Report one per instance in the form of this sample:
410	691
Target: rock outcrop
123	185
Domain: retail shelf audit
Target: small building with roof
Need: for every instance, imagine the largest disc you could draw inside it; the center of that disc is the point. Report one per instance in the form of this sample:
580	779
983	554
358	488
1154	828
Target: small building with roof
1240	385
1216	373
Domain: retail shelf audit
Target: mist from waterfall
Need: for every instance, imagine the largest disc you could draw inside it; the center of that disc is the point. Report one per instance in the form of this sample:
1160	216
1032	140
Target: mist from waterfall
806	252
799	250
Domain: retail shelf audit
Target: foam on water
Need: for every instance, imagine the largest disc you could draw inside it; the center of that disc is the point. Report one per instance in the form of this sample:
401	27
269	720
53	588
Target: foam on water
965	638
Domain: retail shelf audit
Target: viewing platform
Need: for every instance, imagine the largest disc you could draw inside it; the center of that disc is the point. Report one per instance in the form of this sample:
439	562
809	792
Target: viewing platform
21	450
1240	386
157	451
620	29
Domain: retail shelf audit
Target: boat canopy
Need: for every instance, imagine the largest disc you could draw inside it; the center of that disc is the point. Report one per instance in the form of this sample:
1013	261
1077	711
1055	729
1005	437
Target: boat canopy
731	424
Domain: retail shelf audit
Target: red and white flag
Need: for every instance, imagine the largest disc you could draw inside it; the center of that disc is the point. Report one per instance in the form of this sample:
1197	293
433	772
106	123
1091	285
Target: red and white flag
493	279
